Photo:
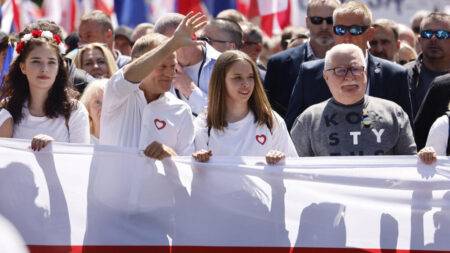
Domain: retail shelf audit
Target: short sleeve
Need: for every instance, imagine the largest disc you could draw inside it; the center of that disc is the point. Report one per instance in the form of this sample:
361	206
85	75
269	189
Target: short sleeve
79	125
281	138
405	143
438	135
4	115
201	133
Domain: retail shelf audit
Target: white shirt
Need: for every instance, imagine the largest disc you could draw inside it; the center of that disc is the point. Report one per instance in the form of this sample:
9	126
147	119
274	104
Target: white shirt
244	137
198	99
438	135
4	115
128	120
76	130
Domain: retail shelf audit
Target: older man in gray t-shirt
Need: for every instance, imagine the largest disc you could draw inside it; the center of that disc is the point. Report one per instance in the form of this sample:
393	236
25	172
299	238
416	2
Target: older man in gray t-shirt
351	123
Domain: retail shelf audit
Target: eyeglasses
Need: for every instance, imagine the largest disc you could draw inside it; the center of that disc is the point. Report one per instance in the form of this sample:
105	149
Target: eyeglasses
440	34
354	30
342	71
319	20
209	40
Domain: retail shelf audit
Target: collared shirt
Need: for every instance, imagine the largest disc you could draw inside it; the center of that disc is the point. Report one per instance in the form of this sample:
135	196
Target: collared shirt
310	55
199	97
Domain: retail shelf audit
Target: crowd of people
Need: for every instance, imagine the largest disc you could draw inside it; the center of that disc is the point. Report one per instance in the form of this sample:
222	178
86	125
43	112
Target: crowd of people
343	85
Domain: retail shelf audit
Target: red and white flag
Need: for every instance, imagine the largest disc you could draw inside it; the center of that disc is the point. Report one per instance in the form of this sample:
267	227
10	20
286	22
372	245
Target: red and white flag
84	198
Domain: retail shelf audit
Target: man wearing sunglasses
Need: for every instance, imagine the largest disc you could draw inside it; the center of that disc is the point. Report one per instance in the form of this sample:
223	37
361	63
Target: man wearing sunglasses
434	61
351	122
283	67
352	24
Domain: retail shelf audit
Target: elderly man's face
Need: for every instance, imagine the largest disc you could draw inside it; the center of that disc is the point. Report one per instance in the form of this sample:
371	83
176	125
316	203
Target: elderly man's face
384	44
356	20
218	38
346	78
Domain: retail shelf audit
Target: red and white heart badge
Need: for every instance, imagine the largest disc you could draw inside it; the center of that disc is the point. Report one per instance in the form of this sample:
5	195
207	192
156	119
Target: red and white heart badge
159	124
261	139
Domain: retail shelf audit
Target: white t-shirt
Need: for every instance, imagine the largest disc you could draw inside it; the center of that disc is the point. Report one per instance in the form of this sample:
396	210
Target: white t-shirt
438	135
76	131
244	137
4	115
127	120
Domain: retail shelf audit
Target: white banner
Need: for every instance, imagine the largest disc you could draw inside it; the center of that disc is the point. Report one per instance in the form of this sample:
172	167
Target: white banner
103	199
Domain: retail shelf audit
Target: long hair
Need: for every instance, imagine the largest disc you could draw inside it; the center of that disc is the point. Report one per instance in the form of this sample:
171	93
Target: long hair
109	57
16	90
258	102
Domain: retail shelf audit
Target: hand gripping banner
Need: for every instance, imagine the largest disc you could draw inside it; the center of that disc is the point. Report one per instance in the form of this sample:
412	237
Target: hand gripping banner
82	198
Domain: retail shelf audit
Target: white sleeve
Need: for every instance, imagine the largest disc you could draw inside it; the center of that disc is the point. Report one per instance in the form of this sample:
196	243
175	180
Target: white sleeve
4	115
438	135
117	91
185	138
198	100
79	125
281	139
201	133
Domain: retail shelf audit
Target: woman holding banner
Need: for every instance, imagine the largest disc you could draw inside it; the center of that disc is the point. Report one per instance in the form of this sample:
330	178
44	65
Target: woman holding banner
38	98
239	120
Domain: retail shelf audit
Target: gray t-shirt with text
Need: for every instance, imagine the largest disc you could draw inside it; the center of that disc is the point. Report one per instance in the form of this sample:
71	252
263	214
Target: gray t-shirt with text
372	126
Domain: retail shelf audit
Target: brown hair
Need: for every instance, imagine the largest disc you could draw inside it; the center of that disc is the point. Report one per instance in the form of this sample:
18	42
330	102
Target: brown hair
258	102
109	57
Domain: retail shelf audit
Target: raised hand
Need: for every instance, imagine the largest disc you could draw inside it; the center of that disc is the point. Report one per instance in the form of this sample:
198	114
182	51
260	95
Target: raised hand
187	28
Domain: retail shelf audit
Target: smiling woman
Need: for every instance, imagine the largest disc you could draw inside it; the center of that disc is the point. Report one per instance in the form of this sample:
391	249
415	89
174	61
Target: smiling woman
239	120
97	60
38	98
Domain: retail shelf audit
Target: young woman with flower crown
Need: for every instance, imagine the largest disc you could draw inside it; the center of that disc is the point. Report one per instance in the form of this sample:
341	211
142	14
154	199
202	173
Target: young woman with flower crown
37	97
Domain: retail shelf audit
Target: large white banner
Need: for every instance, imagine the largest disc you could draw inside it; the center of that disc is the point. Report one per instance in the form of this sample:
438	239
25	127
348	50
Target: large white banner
106	199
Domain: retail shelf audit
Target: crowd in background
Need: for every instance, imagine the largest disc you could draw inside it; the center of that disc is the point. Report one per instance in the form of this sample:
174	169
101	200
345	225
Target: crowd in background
343	85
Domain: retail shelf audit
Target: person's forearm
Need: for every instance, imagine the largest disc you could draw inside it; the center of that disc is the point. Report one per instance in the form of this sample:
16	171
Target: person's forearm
140	68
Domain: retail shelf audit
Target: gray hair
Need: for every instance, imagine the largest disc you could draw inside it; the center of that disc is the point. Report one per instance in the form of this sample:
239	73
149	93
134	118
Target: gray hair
318	3
168	22
356	8
341	48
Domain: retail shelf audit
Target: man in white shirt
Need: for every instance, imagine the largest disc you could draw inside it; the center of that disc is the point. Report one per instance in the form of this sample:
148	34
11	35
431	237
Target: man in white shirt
195	66
138	110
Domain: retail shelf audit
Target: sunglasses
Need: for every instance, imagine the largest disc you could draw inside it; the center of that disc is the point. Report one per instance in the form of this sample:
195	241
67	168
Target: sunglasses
319	20
354	30
209	40
343	71
440	34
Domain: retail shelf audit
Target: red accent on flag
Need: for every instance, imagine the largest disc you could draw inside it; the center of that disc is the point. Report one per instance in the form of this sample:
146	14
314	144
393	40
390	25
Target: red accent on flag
101	5
73	15
16	16
206	249
185	6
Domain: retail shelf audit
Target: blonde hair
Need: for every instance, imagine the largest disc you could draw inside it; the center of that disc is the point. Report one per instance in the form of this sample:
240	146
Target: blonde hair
146	43
355	7
258	102
98	85
110	62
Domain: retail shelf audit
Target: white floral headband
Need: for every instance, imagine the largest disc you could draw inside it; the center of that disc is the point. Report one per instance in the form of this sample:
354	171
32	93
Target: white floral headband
36	33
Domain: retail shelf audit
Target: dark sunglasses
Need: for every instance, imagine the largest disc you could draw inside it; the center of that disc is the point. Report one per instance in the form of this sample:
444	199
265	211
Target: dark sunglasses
440	34
354	30
209	40
319	20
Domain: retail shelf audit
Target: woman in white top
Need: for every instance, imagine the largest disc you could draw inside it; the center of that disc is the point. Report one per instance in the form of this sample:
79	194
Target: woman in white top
6	125
239	119
37	93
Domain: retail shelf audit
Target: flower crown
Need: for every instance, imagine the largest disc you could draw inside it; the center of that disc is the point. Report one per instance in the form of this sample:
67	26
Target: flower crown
36	33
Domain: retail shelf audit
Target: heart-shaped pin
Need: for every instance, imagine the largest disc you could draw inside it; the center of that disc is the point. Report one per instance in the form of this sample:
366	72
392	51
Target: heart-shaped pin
261	139
160	124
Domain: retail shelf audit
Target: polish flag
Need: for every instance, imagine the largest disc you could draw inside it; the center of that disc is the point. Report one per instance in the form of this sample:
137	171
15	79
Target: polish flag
63	12
273	15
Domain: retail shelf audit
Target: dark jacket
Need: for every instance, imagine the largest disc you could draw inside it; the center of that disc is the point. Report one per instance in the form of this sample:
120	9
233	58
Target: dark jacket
434	105
386	80
282	71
